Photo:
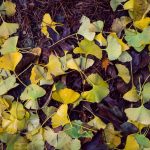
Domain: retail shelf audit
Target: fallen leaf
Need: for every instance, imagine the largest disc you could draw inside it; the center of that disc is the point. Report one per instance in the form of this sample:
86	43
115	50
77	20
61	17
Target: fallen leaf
60	118
54	66
105	63
65	96
139	114
32	92
88	47
97	123
9	45
115	3
131	95
88	29
142	140
7	84
113	138
8	62
8	7
142	23
76	130
125	57
48	22
146	92
114	48
131	143
123	72
101	39
7	29
98	92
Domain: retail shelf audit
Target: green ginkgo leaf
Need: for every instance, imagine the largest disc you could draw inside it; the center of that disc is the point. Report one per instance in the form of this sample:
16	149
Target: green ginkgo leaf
146	92
88	47
142	140
7	84
115	3
32	92
114	48
139	114
76	130
136	39
98	92
7	29
123	72
10	45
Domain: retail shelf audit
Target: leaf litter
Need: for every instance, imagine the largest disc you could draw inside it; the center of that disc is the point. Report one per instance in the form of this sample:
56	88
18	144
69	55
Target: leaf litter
80	83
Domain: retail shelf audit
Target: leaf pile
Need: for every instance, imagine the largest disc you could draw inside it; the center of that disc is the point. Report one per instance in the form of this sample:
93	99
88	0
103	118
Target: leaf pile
91	94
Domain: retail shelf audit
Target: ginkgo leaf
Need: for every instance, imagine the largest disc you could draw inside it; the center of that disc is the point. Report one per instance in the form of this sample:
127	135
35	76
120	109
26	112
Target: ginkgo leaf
37	74
8	62
142	140
101	39
131	95
97	123
7	84
98	92
146	92
76	130
33	122
32	92
112	137
131	143
139	114
115	3
48	22
37	142
88	29
7	29
125	57
61	140
54	66
9	45
17	110
114	48
123	72
88	47
8	7
66	96
119	24
142	23
105	63
21	143
137	8
3	105
60	118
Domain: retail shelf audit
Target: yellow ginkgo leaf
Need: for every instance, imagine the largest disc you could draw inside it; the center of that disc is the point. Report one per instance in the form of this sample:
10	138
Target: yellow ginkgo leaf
131	95
48	22
97	123
131	143
101	39
10	61
37	74
143	23
66	96
129	5
54	66
61	117
3	105
123	72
